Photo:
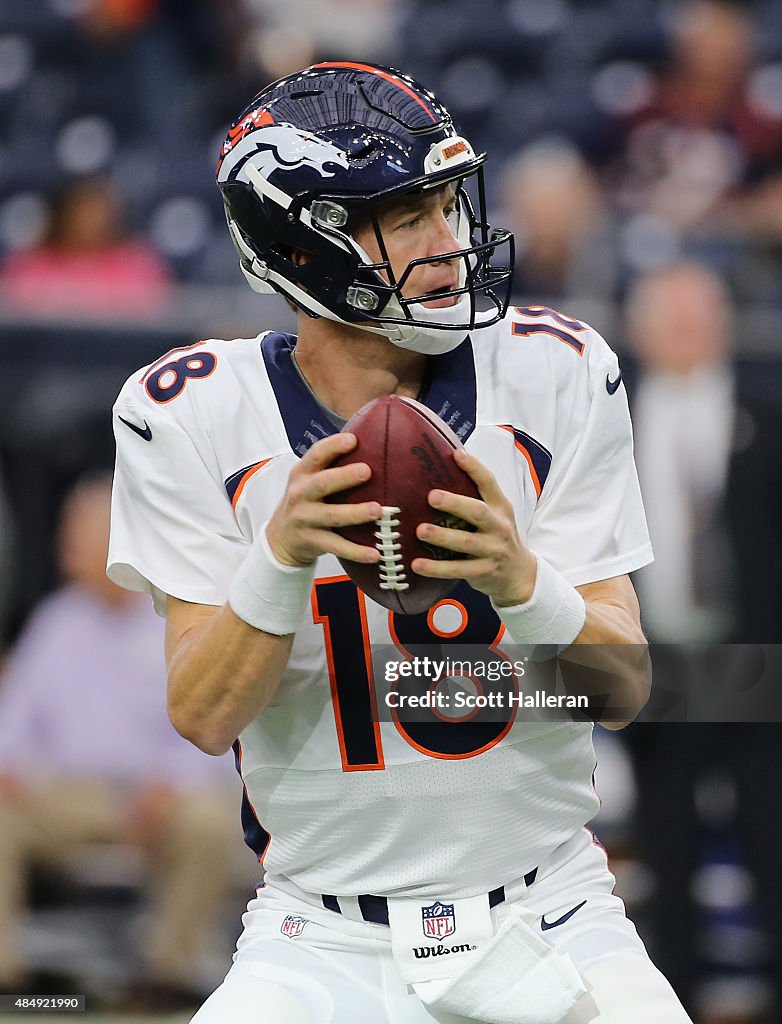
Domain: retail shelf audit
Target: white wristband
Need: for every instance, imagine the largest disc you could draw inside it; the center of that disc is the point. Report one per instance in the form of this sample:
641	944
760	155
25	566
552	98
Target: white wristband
267	594
553	616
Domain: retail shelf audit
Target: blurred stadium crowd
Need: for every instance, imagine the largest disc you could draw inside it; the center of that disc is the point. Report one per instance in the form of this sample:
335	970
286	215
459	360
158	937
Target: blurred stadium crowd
636	151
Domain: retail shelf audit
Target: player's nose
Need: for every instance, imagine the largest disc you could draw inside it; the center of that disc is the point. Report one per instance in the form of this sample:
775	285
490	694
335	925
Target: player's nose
444	242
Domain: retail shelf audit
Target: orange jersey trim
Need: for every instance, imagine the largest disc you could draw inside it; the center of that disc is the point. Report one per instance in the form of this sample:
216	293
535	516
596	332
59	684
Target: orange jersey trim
533	472
242	483
262	855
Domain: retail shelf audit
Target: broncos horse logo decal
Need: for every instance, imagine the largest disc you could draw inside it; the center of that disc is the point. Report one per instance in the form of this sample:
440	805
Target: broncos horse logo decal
274	146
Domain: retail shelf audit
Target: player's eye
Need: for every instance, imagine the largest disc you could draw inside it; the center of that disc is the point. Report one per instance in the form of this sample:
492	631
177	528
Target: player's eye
412	222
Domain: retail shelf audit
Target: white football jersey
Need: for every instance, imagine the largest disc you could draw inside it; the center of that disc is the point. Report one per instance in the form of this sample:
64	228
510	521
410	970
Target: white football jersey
337	802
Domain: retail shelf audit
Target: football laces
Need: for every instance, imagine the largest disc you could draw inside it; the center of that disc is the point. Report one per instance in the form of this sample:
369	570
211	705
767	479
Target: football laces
391	565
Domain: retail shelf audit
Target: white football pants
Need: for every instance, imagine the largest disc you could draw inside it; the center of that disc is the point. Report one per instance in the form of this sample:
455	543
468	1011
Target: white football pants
329	969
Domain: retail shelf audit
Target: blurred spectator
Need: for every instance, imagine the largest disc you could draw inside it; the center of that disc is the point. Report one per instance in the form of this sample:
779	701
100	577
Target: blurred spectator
701	166
86	267
680	327
564	239
142	61
711	474
298	32
87	755
710	467
705	130
7	538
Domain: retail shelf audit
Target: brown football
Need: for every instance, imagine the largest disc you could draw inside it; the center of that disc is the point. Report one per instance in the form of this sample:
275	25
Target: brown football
409	450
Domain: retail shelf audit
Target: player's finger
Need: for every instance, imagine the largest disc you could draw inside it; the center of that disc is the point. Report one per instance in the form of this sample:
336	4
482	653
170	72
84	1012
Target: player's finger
483	477
458	569
326	450
339	478
330	542
333	516
452	539
472	510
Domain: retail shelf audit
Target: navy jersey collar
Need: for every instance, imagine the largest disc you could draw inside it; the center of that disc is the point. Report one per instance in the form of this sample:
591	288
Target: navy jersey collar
449	390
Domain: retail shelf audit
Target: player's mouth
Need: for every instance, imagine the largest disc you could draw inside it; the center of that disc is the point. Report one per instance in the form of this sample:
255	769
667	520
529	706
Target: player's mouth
439	298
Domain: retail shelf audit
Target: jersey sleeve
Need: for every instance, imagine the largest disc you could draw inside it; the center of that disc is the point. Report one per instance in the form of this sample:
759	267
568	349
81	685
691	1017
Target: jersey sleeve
590	522
173	529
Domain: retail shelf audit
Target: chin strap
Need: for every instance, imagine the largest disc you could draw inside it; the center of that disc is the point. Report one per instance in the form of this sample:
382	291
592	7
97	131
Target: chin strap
427	341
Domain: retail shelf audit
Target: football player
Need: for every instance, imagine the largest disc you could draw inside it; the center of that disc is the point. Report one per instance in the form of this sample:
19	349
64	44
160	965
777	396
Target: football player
411	874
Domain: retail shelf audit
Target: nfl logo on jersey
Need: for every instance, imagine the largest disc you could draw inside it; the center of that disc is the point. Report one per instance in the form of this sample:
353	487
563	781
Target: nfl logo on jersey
438	920
293	925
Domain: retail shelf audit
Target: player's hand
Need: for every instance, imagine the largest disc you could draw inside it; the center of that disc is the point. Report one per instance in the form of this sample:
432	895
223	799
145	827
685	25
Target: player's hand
496	560
303	523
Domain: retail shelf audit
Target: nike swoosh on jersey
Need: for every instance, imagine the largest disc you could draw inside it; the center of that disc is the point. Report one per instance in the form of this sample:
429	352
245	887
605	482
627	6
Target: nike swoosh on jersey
145	432
545	925
612	385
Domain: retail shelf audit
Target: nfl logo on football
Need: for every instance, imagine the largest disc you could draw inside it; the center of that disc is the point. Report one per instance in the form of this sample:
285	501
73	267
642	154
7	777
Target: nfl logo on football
439	920
293	925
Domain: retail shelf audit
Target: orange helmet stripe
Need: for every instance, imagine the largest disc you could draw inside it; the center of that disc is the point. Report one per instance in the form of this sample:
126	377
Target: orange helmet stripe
381	74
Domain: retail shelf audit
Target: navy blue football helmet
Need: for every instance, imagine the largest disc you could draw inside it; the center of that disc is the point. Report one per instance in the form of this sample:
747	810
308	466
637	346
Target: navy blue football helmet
312	157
